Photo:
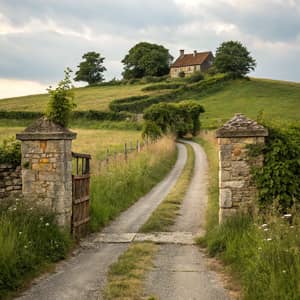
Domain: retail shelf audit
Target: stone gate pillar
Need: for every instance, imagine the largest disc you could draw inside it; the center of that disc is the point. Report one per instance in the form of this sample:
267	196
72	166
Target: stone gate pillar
237	190
47	168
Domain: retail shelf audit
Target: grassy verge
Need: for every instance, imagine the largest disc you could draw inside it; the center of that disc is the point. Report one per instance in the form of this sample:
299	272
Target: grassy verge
30	242
165	214
125	277
209	143
121	184
263	254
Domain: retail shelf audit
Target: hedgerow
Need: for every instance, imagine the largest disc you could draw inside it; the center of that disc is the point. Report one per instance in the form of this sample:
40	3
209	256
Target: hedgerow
141	102
163	86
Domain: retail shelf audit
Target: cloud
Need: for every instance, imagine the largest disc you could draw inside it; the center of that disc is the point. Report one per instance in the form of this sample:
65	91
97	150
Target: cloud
39	39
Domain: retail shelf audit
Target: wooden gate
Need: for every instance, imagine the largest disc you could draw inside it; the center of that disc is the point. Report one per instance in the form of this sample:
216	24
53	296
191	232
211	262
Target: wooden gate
80	194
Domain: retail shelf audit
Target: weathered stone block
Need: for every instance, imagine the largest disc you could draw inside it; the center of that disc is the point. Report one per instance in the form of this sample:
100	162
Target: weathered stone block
225	198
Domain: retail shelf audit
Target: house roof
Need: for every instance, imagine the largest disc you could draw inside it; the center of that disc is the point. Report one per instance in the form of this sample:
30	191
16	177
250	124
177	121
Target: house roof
191	59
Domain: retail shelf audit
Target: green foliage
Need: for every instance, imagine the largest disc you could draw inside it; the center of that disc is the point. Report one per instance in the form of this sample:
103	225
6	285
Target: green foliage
139	103
195	77
163	86
153	79
151	130
61	102
91	69
268	253
278	179
180	119
146	59
29	239
234	58
10	152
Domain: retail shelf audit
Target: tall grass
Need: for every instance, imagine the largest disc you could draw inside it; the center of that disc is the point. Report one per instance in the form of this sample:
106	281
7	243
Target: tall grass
29	241
122	183
263	253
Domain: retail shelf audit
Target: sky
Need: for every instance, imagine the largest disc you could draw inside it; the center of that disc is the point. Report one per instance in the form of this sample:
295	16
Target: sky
40	38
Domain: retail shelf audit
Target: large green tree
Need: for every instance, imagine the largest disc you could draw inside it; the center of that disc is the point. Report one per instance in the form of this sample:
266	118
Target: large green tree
91	68
234	58
145	59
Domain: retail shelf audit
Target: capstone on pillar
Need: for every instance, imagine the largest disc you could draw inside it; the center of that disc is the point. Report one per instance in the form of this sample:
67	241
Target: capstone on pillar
47	168
237	191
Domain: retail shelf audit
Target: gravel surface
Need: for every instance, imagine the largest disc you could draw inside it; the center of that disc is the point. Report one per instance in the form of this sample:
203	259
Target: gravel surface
84	275
181	271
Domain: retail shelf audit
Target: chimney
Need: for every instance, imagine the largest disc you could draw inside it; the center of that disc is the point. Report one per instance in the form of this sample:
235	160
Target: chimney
195	52
181	52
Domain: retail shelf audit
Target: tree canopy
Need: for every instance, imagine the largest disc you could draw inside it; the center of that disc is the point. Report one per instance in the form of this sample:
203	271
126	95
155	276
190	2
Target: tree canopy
146	59
234	58
91	68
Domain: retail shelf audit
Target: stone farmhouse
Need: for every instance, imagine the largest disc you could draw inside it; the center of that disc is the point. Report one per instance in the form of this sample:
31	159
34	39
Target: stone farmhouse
190	63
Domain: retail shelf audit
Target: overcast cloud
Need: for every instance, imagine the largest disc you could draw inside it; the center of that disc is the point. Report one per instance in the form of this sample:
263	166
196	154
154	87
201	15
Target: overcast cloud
39	39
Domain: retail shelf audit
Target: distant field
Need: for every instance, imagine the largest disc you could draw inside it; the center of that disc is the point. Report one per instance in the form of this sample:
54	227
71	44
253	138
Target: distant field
92	141
96	98
278	99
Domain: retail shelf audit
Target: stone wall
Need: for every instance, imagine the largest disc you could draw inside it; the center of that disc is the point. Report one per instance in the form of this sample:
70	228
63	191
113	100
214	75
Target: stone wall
10	181
237	189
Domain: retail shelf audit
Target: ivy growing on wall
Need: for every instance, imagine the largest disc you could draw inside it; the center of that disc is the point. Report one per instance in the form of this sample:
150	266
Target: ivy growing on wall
278	181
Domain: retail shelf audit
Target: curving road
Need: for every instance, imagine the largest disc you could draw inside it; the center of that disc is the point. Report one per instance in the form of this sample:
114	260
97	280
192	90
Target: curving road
83	276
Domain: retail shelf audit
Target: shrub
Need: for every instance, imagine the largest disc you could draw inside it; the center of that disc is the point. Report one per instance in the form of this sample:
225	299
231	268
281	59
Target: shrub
10	152
180	119
195	77
151	131
61	101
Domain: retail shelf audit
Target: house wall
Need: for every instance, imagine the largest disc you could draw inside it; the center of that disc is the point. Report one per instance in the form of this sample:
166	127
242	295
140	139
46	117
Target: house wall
188	70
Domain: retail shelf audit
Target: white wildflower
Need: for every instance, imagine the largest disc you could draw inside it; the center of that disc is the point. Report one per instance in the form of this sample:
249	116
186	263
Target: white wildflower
25	247
47	224
266	229
269	239
287	216
283	271
20	232
264	225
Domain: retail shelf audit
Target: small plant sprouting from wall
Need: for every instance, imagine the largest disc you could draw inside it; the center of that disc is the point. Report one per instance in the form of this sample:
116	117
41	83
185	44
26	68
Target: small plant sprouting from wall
61	101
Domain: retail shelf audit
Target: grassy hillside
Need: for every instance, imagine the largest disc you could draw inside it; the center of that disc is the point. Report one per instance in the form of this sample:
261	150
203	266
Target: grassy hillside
278	99
96	98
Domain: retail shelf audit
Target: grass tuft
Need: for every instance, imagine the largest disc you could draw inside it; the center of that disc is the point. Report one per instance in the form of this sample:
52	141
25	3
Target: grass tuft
122	183
165	214
125	277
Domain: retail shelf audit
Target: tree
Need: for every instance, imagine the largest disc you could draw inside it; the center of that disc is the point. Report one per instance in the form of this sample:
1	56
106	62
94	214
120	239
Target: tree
91	69
234	58
61	101
145	59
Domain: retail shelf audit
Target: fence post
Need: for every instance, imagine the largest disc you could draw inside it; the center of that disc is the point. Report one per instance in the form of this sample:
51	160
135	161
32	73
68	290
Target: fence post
47	168
237	190
125	151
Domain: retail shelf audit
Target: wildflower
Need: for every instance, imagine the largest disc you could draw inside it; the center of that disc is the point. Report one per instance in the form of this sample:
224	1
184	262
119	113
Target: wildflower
266	229
269	239
259	248
47	224
25	247
41	218
292	226
20	232
283	271
264	225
